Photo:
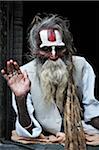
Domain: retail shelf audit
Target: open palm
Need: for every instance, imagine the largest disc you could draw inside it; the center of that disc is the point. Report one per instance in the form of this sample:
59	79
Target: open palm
17	80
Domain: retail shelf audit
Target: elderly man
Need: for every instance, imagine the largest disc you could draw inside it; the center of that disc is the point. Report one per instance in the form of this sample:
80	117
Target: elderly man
40	88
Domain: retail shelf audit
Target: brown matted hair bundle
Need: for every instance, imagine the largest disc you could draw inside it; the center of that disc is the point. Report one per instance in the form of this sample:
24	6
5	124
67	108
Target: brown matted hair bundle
75	138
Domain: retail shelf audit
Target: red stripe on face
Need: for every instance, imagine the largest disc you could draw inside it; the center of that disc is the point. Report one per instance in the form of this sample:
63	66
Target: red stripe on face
51	35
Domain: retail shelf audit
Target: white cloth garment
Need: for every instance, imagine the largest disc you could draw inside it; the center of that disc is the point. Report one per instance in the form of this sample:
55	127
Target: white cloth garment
48	117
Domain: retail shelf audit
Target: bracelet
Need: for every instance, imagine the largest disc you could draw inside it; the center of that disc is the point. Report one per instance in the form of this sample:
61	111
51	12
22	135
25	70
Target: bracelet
28	125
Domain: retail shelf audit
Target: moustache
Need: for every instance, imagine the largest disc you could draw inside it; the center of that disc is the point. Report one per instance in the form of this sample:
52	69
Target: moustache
48	55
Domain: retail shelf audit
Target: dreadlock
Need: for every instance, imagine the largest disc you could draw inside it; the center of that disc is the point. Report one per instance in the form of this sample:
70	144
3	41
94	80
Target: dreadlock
75	139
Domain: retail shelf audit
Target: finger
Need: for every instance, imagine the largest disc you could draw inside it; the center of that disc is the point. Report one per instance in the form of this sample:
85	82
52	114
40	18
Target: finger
52	138
56	140
33	139
10	67
40	140
92	143
90	138
60	139
4	74
17	68
60	134
42	136
3	71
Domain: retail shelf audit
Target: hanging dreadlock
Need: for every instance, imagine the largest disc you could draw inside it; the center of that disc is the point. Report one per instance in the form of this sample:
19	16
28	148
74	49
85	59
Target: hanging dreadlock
75	139
72	111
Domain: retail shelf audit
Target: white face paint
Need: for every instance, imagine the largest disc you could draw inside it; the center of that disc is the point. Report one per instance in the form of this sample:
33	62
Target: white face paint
53	51
50	38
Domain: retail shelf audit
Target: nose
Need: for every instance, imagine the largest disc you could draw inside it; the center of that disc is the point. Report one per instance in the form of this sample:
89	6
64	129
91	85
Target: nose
53	55
53	51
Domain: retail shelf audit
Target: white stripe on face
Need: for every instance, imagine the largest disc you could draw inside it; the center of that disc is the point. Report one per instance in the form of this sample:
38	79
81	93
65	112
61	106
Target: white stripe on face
53	51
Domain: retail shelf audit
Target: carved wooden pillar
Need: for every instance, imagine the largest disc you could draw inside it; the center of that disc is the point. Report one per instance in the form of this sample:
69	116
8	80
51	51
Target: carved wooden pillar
11	46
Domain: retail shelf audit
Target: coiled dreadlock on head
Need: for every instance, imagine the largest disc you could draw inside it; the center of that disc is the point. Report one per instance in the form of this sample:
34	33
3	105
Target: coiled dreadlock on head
72	111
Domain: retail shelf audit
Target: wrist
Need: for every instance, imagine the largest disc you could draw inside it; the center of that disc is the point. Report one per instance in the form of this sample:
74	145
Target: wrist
21	98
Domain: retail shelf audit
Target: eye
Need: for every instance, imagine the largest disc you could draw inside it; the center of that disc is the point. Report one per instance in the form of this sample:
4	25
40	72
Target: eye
60	48
46	48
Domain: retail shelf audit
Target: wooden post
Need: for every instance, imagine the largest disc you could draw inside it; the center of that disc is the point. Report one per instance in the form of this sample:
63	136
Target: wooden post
11	46
3	53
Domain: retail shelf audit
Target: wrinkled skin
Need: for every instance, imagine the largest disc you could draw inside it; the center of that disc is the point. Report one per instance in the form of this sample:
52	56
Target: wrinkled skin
19	82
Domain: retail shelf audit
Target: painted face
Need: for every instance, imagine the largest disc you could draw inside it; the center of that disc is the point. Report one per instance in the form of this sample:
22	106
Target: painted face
52	44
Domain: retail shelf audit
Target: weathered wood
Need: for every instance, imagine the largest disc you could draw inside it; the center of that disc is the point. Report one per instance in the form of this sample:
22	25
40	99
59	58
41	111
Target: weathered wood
11	46
3	53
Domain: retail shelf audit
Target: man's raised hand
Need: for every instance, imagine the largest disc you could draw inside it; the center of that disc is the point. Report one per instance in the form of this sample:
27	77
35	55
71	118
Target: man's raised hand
17	80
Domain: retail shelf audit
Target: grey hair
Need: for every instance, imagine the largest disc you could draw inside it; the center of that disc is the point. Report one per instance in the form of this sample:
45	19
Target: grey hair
49	21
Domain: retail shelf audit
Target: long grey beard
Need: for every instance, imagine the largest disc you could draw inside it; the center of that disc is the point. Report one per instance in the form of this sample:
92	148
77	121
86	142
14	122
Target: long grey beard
53	81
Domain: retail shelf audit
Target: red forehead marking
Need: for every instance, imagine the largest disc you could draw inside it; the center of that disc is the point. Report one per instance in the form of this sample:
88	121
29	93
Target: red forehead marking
51	35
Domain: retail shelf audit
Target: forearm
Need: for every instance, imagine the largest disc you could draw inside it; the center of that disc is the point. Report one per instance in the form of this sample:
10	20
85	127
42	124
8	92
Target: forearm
23	115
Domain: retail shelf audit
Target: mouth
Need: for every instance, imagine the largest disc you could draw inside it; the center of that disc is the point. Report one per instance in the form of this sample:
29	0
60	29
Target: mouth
54	58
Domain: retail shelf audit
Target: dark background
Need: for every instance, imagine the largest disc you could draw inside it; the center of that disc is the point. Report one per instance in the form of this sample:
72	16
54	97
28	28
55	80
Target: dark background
16	16
84	25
